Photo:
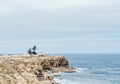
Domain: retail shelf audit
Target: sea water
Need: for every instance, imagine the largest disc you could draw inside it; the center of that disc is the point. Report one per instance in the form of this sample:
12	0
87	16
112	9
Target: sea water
92	69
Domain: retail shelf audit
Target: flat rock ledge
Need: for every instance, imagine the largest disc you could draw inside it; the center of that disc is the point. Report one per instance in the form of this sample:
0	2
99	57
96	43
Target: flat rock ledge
31	69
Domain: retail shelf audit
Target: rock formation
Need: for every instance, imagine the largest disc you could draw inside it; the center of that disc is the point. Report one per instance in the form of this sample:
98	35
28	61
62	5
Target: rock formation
31	69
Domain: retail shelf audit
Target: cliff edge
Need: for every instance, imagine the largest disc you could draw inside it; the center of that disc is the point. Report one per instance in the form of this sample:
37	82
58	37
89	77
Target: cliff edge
31	69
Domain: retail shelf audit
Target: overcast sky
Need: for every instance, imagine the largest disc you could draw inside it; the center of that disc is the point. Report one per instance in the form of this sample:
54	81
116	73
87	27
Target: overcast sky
60	26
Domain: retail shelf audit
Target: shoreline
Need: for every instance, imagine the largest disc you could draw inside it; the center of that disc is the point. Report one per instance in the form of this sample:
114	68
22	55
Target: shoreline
32	69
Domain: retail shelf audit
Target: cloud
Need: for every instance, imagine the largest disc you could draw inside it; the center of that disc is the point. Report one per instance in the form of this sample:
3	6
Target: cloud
84	25
13	7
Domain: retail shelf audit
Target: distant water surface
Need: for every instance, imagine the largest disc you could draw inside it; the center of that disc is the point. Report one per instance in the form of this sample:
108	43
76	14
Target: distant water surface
92	69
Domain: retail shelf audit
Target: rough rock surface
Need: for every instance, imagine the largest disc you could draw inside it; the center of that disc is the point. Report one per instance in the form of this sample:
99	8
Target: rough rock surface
31	69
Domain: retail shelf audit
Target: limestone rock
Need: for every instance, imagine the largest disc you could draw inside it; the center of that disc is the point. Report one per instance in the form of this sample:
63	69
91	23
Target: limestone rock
30	69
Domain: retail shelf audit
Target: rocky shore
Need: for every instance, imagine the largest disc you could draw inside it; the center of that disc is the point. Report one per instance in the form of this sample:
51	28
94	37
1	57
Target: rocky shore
31	69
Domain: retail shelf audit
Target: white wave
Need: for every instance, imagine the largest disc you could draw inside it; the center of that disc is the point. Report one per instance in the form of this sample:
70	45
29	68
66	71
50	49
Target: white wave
64	81
56	74
86	76
81	69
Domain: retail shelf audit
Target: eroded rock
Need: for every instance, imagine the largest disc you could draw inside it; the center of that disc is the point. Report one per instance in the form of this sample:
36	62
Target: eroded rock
30	69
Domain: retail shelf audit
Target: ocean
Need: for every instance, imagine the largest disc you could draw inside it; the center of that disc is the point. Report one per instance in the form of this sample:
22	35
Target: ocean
92	69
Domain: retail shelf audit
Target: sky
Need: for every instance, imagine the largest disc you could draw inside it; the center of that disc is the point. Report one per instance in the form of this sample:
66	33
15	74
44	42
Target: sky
60	26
